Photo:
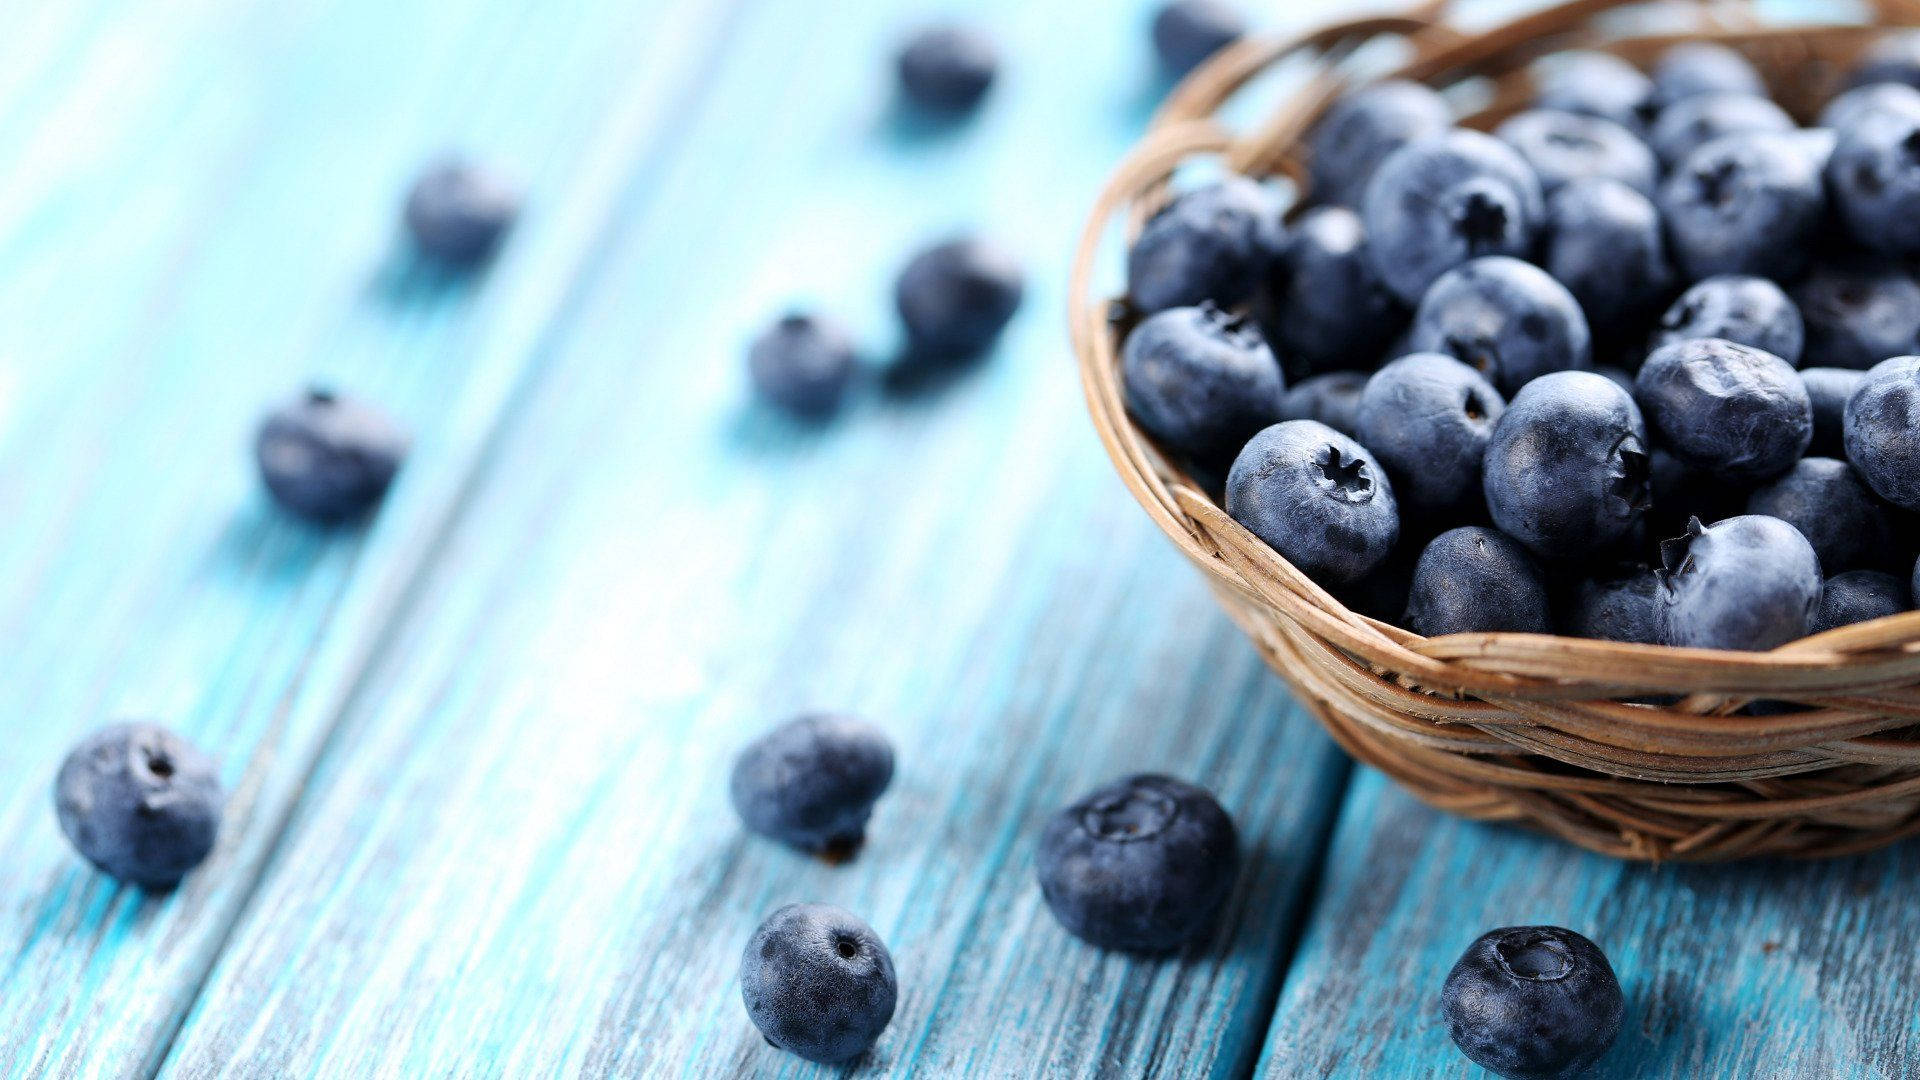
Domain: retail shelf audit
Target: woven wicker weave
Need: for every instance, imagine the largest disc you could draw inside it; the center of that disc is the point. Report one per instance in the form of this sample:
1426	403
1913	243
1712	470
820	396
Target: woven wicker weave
1517	727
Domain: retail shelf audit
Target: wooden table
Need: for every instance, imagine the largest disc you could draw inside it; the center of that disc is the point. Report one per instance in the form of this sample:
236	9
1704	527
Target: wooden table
478	750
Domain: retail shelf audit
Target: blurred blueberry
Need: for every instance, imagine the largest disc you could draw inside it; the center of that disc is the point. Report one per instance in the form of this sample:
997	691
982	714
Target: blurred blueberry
457	212
1882	431
1507	319
1322	305
1212	243
1745	310
1350	141
818	983
1427	418
1445	199
1202	382
1743	204
1698	67
1566	473
1473	579
1874	178
1750	582
1895	58
1565	146
1847	109
1597	84
1829	389
812	781
1533	1003
140	803
1688	125
1186	33
1858	312
1618	607
1332	399
328	459
1316	497
803	363
957	296
1858	596
1604	243
946	70
1732	410
1832	507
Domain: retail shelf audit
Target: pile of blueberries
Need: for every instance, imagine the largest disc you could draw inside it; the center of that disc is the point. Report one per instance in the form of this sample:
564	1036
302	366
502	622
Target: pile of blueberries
1636	366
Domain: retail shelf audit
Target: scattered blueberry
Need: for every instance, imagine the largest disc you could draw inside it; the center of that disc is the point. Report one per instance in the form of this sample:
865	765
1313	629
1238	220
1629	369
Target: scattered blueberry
1894	58
1211	243
457	212
1186	33
818	982
956	297
1565	146
1533	1003
1858	313
1604	243
328	459
1427	418
1141	865
1698	67
803	363
812	781
1618	607
1332	399
1733	410
1567	472
1874	178
1322	305
1473	579
140	803
946	70
1316	497
1445	199
1746	310
1688	125
1348	144
1506	319
1743	204
1597	84
1827	501
1882	431
1858	596
1847	109
1830	389
1750	582
1201	381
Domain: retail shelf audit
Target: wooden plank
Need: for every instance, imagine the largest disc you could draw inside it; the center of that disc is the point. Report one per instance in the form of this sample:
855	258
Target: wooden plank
1769	969
519	860
196	218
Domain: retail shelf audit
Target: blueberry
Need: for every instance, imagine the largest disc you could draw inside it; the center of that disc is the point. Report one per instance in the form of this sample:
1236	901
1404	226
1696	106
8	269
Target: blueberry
1565	146
1858	313
1427	418
1733	410
812	781
1743	204
1348	144
1322	305
457	212
1697	67
1507	319
1858	596
1874	178
1141	865
1316	497
1201	381
1847	109
818	982
1618	607
1186	33
1332	399
956	297
1750	582
1566	472
1894	58
1532	1003
1688	125
1212	243
1473	579
1597	84
1738	308
328	459
140	803
803	363
1829	389
946	70
1882	431
1831	506
1442	200
1604	243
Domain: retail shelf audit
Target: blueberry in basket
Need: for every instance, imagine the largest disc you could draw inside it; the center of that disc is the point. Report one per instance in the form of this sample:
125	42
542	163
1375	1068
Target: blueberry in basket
1317	497
1604	244
1507	319
1597	84
1362	129
1477	579
1739	308
1202	382
1566	473
1444	199
1689	124
1858	312
1882	431
1859	596
1566	146
1750	582
1428	417
1744	204
1211	243
1321	304
1732	410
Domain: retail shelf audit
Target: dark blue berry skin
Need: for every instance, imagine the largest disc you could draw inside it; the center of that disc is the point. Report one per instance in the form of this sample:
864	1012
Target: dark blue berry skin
1212	243
956	297
1858	313
1744	204
1750	582
1830	389
812	781
1202	382
1427	418
1826	500
140	803
1892	59
1186	33
1362	129
1605	244
457	212
1681	492
1442	200
946	70
1915	581
1566	473
1533	1003
1690	124
1858	596
1507	319
1597	84
818	983
1322	305
1626	607
1847	109
1332	399
1140	865
328	459
1882	431
1746	310
1473	579
1694	68
1316	497
1565	146
1732	410
1874	178
803	363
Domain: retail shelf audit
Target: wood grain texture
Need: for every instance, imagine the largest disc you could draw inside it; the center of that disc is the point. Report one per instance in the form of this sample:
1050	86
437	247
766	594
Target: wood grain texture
1764	970
519	859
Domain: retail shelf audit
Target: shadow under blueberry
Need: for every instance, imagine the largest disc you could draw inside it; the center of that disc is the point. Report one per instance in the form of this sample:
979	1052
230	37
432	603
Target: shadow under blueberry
922	376
906	125
405	279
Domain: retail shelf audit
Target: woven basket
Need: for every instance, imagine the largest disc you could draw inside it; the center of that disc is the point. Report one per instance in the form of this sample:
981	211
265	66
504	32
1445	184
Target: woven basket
1529	728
